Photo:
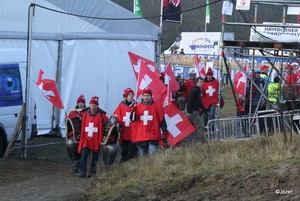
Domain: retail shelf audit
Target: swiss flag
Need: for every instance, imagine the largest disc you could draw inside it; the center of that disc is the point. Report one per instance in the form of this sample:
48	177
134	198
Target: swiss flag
178	125
200	72
170	79
49	90
147	78
240	82
136	61
166	98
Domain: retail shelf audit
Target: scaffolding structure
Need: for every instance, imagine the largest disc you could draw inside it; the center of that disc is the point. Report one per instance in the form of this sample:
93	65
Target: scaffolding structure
270	51
273	49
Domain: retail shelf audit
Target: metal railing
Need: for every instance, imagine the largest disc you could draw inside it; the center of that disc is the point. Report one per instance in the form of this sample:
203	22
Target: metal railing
266	123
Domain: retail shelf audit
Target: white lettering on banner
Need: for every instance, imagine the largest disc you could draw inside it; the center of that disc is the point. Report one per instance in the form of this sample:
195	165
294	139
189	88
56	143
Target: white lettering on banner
91	129
146	117
126	119
210	90
277	31
193	47
171	122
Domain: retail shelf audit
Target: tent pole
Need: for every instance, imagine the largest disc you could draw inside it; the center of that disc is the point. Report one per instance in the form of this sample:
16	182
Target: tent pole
29	43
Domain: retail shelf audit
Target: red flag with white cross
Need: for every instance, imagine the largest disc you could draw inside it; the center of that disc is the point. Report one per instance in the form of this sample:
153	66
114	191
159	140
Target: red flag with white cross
240	82
200	72
147	78
170	78
49	90
178	125
136	61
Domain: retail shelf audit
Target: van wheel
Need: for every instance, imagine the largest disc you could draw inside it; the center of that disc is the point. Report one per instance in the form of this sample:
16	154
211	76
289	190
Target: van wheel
1	147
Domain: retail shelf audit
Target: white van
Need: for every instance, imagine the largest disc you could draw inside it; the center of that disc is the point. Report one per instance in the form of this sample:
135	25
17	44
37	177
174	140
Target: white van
12	95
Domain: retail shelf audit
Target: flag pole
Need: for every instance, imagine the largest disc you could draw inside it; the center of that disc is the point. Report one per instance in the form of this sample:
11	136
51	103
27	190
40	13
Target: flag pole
161	14
161	30
207	20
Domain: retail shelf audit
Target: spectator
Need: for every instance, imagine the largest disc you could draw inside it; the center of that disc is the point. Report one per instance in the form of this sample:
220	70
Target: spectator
92	128
71	144
210	90
128	148
182	52
149	119
193	105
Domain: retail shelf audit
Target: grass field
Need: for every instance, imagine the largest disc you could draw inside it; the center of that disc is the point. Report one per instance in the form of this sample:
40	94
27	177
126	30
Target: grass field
229	108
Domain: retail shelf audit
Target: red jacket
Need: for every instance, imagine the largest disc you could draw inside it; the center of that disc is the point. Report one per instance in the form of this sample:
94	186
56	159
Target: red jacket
291	79
148	119
210	90
188	86
123	111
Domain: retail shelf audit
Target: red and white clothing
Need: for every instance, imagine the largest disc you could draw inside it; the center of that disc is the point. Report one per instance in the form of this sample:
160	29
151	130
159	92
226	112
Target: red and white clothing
291	78
92	127
148	120
210	90
123	117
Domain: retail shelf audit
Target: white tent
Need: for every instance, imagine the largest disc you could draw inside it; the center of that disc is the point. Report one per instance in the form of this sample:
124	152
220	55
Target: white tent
85	55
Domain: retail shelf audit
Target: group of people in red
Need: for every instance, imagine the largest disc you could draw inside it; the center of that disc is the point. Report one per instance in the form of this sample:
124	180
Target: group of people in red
202	97
141	125
280	87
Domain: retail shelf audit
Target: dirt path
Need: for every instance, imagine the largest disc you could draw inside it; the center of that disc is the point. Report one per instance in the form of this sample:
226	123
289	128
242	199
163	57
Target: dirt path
44	175
46	172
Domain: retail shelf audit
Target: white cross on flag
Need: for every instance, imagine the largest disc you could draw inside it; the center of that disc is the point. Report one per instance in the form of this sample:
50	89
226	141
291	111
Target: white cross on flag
147	78
200	72
136	61
178	125
240	81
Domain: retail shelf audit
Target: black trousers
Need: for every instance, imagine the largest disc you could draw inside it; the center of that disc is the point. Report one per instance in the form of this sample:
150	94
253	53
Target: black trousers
129	150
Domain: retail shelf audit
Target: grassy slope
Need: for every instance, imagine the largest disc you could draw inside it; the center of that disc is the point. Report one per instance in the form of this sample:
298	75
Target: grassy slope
243	170
220	171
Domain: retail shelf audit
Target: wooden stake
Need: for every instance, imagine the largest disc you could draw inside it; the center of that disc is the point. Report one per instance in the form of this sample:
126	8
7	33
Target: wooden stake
18	125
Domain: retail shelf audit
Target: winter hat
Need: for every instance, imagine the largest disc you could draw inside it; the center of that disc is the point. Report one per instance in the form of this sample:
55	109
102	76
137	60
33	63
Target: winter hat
209	72
94	100
290	67
263	67
126	92
81	99
147	91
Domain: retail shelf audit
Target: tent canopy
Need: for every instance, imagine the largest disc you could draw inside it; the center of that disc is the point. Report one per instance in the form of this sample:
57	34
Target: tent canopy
84	55
63	20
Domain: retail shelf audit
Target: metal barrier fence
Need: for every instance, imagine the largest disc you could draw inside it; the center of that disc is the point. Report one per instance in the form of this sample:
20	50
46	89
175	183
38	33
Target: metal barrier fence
265	123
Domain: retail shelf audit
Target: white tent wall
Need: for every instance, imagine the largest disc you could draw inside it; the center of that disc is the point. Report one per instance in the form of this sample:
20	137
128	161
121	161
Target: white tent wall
43	57
99	68
91	55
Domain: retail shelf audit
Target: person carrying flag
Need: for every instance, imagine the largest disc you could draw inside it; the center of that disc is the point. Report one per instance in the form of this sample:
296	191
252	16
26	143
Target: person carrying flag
149	119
